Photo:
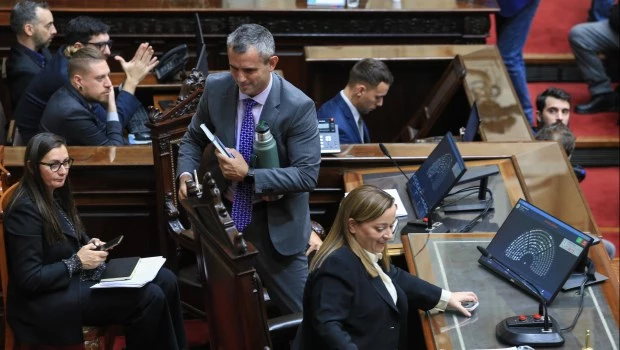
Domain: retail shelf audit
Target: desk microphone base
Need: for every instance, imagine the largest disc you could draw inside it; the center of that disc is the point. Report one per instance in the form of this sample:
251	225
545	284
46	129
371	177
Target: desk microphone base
532	335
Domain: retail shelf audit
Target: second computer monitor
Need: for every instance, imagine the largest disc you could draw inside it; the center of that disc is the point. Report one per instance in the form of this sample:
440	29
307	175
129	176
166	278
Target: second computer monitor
436	177
473	122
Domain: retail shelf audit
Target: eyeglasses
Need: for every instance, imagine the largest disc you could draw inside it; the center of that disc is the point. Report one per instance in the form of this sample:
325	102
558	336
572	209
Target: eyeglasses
56	165
101	45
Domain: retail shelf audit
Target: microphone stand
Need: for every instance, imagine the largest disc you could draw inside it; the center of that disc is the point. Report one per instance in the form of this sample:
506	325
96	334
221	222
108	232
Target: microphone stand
526	330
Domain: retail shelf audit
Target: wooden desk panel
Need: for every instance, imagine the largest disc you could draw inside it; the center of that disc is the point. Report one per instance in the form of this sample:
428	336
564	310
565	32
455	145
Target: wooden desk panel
167	23
416	69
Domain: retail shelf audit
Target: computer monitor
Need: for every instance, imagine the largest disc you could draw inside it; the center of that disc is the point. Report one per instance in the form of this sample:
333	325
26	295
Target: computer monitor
436	177
537	246
473	122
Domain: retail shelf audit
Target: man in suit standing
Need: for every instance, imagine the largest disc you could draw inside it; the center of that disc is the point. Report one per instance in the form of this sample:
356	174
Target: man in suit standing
33	25
230	107
369	82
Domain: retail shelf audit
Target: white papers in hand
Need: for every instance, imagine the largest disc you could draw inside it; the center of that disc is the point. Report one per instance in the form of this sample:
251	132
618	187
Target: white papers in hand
400	206
145	272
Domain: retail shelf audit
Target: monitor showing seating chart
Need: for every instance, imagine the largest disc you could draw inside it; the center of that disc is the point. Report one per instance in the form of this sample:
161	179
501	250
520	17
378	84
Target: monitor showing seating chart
435	177
540	248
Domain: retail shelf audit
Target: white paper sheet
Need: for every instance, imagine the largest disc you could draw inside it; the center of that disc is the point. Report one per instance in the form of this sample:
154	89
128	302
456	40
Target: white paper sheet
145	272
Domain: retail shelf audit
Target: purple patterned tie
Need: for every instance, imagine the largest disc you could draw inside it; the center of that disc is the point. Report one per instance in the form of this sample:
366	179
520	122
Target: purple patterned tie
242	203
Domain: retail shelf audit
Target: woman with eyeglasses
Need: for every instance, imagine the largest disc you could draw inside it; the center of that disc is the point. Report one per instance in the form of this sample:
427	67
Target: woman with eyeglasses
53	263
354	298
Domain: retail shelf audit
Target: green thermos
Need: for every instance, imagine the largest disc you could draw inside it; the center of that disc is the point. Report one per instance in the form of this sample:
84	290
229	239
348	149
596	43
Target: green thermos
265	149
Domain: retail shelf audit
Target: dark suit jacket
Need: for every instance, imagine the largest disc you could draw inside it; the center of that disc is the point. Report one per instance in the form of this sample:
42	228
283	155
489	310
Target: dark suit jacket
345	308
69	115
43	302
338	109
29	111
292	118
21	68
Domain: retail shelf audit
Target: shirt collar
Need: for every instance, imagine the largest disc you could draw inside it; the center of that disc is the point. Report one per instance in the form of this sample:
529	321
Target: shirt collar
354	111
374	257
36	56
260	98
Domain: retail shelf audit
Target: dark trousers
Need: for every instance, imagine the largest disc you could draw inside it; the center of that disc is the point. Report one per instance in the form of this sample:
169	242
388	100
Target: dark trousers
151	315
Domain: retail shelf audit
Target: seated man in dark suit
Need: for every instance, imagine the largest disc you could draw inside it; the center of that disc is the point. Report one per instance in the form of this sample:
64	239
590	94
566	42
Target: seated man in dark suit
72	110
82	32
33	25
369	82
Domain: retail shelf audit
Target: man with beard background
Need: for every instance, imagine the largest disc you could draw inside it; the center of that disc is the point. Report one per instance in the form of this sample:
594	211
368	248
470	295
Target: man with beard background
33	25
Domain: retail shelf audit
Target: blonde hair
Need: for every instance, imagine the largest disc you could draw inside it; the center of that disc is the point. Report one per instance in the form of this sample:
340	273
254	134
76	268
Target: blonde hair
365	203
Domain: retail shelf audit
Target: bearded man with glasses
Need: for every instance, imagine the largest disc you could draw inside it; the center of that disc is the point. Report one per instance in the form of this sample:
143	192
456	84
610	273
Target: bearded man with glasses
84	31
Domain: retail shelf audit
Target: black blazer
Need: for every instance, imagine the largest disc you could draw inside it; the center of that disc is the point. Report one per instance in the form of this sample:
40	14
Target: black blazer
43	303
345	308
21	68
69	115
29	111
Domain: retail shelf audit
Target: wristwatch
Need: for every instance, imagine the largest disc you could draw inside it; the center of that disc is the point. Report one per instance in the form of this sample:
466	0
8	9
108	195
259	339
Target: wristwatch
249	177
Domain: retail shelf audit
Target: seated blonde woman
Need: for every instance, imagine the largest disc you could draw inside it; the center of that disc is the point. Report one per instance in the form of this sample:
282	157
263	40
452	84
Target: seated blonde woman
354	298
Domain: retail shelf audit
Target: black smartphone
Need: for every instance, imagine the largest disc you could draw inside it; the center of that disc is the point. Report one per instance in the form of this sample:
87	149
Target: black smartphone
110	244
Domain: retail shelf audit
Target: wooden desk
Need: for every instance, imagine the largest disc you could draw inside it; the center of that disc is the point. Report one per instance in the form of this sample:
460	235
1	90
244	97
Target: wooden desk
416	69
114	189
167	23
450	261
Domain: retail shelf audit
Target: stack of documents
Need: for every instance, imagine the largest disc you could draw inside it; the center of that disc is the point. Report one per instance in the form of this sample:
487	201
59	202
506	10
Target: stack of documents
145	272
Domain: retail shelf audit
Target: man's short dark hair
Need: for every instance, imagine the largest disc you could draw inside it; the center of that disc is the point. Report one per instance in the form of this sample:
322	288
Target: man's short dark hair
560	133
371	72
25	12
560	94
81	29
80	61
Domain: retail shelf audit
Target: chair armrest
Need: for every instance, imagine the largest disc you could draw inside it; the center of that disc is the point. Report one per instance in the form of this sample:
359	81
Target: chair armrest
282	329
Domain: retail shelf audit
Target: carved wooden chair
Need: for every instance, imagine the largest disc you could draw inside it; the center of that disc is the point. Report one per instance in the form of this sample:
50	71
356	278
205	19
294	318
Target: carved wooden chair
92	335
176	242
233	292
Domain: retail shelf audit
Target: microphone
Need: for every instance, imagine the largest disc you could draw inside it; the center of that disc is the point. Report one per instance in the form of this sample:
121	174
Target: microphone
520	335
387	154
421	222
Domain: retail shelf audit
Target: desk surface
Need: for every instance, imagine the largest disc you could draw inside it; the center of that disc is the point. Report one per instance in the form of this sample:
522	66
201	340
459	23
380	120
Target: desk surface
451	261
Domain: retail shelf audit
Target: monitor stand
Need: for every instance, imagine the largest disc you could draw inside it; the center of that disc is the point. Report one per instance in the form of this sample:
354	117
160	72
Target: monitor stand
576	278
477	173
574	281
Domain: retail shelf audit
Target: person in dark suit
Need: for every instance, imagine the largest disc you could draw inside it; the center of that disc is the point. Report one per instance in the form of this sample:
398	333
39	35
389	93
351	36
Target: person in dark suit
232	105
52	264
72	110
369	82
354	297
33	25
84	31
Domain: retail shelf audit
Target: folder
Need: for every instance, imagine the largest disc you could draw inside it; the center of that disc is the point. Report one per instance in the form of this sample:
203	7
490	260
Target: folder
120	269
145	271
